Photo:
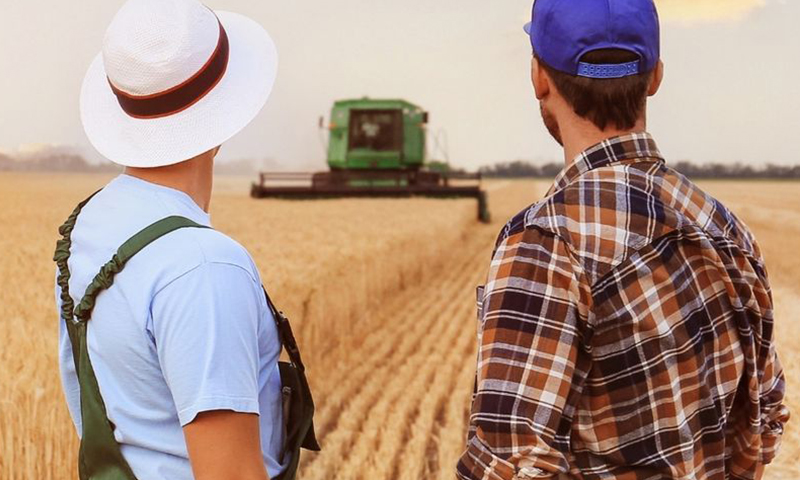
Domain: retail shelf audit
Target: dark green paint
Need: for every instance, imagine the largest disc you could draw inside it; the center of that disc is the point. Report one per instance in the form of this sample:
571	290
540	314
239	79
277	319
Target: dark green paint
409	156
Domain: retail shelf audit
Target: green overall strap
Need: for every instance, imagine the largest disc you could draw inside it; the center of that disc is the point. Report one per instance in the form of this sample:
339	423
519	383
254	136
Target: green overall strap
100	457
105	277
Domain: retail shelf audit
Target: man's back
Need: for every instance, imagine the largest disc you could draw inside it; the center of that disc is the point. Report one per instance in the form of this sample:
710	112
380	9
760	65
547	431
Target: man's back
626	329
163	338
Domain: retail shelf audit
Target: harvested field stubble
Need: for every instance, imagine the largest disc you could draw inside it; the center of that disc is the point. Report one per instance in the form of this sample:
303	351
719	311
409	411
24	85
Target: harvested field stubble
381	295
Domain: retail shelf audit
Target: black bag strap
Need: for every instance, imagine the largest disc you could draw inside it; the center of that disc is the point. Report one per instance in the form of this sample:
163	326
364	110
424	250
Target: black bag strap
285	331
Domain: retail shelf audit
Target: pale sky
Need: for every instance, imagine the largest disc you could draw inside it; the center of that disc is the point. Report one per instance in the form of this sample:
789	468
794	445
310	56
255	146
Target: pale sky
731	91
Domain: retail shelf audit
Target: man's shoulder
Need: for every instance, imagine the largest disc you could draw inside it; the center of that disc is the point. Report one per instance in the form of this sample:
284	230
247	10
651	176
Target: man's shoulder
608	214
186	251
514	226
127	206
602	203
189	248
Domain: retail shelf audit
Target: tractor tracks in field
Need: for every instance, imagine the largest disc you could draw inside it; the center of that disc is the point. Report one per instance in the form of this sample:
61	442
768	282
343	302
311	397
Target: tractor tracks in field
383	410
393	397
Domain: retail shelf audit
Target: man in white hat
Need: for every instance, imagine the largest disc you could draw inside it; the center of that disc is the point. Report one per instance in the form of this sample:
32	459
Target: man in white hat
183	345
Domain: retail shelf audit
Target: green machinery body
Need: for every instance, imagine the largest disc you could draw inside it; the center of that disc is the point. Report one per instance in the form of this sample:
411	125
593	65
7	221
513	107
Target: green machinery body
376	148
370	134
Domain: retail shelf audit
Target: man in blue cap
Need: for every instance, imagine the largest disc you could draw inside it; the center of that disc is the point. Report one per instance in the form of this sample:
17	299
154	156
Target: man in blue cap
626	326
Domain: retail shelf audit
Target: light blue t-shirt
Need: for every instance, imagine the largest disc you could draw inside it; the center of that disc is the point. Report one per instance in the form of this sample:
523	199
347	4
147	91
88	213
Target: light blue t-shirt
184	329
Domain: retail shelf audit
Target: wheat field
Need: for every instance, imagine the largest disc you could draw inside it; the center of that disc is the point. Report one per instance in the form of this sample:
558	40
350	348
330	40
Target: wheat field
381	296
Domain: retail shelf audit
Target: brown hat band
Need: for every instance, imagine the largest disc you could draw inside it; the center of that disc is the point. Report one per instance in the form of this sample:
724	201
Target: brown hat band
179	98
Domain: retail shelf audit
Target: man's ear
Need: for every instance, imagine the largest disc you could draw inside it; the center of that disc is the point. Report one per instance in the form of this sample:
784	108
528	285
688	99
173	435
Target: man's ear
540	80
655	82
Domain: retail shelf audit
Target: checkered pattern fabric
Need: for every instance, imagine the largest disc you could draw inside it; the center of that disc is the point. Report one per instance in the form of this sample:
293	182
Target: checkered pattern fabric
626	332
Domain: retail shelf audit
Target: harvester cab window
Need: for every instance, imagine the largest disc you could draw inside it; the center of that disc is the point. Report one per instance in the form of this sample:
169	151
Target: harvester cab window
377	130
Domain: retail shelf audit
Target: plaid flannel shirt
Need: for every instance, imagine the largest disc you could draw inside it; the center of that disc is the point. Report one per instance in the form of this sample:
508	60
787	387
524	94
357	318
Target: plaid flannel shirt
626	332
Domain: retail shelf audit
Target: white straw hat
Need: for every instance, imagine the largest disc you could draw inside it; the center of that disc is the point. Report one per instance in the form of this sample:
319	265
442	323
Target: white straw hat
174	80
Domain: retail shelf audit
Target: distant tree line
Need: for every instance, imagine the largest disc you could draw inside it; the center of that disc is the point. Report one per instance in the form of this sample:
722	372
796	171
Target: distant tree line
525	169
71	162
737	170
56	162
521	169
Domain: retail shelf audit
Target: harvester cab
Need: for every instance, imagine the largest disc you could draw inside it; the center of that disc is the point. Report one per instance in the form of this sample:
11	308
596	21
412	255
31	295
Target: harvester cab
376	148
376	135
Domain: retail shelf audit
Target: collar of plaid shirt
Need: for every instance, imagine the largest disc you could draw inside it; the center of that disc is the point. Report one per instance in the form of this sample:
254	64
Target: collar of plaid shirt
627	148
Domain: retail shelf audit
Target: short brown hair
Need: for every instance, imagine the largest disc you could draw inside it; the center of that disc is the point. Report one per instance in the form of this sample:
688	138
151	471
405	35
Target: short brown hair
617	102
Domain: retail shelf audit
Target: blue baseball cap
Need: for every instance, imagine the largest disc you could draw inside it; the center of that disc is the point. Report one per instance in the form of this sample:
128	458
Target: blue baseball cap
562	32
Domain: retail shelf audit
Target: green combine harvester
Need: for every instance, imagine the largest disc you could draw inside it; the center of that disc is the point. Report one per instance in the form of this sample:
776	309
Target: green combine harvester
376	148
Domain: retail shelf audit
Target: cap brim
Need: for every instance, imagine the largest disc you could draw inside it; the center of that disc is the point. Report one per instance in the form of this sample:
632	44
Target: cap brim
528	26
222	113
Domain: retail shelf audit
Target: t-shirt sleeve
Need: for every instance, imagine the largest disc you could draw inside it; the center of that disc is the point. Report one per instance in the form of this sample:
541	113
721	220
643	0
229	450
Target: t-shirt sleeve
205	325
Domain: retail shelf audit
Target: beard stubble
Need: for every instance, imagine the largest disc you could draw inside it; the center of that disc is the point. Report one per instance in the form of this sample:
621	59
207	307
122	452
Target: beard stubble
551	123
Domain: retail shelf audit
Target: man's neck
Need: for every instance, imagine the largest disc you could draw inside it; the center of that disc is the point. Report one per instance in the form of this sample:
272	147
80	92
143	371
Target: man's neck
193	177
580	134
